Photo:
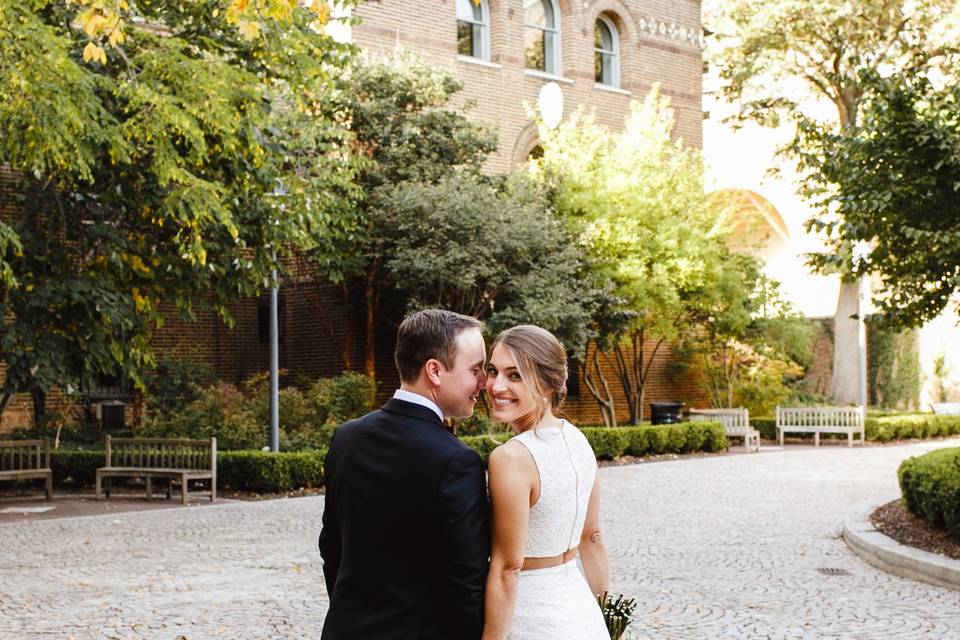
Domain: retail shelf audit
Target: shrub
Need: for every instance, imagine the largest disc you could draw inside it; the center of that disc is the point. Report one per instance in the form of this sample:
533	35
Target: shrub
176	383
221	412
881	426
241	470
609	443
268	472
239	417
931	488
344	397
479	424
75	467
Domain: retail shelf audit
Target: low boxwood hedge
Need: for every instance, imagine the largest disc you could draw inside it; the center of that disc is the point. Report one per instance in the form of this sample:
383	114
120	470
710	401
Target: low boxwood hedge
242	470
882	428
609	443
931	488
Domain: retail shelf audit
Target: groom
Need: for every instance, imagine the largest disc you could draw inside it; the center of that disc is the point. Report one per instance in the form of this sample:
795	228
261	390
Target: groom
405	539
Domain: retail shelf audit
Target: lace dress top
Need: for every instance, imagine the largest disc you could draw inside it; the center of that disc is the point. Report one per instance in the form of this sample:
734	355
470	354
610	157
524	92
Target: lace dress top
567	468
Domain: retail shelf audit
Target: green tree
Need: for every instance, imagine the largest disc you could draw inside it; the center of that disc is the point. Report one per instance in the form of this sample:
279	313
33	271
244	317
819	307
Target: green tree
179	167
749	345
773	56
400	113
487	248
893	181
635	200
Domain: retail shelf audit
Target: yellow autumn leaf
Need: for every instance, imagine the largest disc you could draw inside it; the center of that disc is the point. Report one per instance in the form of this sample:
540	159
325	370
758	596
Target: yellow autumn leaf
91	52
116	37
323	11
249	30
93	23
29	288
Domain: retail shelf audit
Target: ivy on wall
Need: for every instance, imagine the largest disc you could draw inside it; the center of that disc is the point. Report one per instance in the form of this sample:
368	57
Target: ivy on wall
893	366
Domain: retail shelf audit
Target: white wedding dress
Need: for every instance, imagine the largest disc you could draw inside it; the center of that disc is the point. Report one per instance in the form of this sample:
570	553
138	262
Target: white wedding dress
556	603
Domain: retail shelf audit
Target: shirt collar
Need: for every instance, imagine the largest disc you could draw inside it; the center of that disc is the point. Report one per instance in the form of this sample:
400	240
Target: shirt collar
416	398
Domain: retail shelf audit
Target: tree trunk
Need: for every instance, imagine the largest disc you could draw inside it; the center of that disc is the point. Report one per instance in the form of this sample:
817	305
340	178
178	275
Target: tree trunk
593	377
39	397
347	345
372	299
4	401
845	385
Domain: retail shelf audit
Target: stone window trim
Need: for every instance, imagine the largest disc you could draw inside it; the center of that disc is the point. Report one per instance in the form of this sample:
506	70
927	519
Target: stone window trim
533	73
478	62
604	23
466	16
608	88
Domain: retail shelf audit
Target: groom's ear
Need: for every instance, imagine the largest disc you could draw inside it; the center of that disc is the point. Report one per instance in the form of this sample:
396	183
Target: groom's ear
432	369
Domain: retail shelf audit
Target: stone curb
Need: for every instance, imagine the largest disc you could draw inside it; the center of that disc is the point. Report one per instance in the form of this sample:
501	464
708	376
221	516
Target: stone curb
889	555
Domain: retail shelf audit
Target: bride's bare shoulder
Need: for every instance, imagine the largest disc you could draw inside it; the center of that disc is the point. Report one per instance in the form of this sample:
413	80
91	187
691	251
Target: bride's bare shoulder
510	454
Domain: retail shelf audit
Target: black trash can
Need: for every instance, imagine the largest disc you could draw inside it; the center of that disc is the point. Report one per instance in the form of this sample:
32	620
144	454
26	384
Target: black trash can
665	412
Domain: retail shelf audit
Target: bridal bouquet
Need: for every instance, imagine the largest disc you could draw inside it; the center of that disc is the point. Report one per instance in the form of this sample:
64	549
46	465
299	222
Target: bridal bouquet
617	613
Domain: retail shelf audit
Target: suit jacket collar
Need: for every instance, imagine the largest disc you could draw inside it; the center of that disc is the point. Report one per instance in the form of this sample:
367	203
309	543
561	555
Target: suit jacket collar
412	410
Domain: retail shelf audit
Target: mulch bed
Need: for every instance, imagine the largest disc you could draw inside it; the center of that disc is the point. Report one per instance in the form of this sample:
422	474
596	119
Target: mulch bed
893	520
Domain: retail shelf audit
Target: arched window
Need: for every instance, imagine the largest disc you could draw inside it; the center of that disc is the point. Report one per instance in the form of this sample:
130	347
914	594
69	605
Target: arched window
541	36
606	53
473	29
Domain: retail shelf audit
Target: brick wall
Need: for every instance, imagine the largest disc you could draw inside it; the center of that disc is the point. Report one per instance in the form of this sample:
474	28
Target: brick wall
659	43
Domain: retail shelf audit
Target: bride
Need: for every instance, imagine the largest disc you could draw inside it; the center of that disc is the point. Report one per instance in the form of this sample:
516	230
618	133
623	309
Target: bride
545	492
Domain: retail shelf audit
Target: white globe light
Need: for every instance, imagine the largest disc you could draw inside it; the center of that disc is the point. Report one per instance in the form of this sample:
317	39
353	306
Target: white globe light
550	103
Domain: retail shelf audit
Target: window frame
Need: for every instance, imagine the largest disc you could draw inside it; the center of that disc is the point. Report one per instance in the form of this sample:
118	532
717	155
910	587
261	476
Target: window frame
556	51
613	52
484	30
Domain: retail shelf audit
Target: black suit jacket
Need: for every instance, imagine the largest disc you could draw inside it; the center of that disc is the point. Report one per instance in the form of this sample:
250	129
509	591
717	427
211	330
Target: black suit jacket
406	537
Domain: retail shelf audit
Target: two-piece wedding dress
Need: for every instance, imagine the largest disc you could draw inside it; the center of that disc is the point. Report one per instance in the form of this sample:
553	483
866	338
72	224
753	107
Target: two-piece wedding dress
555	603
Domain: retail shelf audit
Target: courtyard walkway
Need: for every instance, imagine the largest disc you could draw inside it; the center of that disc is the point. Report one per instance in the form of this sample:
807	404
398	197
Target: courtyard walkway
718	547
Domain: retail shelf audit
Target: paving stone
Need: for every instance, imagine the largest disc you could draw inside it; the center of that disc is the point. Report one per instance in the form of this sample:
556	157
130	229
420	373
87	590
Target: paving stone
717	547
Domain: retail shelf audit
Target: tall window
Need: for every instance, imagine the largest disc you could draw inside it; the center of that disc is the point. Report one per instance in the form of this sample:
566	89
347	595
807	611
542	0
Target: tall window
541	36
606	53
473	24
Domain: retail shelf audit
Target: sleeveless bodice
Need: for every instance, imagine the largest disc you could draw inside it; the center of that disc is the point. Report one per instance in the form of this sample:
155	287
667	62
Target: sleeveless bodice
567	468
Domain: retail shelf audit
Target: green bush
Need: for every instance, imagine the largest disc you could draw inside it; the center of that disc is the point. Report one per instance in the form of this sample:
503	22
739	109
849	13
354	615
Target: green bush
239	417
344	397
881	426
221	412
75	467
241	470
175	384
931	488
609	443
479	424
269	472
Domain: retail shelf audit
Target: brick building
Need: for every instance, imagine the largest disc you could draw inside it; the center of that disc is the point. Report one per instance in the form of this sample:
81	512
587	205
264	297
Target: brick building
600	53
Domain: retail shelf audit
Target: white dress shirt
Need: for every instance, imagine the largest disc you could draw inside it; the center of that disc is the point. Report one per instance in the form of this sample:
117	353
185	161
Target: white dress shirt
416	398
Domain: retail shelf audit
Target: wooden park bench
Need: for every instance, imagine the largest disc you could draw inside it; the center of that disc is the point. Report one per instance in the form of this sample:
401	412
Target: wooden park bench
946	408
817	420
148	458
736	422
26	460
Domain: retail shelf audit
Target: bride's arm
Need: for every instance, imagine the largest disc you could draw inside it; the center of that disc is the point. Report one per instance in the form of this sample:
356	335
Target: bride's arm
593	553
510	490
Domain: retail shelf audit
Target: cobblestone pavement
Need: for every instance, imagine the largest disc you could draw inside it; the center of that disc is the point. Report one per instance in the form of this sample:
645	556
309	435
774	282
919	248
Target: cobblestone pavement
716	547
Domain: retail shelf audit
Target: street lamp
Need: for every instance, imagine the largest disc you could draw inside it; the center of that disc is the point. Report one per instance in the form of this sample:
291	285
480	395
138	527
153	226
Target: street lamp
278	192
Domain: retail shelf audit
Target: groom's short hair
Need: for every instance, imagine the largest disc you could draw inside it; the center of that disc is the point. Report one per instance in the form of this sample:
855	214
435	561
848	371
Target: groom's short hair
429	334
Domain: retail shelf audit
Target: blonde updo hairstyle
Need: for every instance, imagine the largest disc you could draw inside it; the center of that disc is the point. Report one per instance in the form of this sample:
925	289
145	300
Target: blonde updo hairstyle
542	364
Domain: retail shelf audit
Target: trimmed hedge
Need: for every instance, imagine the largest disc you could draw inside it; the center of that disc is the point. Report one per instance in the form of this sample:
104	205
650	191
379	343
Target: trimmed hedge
243	470
268	472
883	428
931	488
609	443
